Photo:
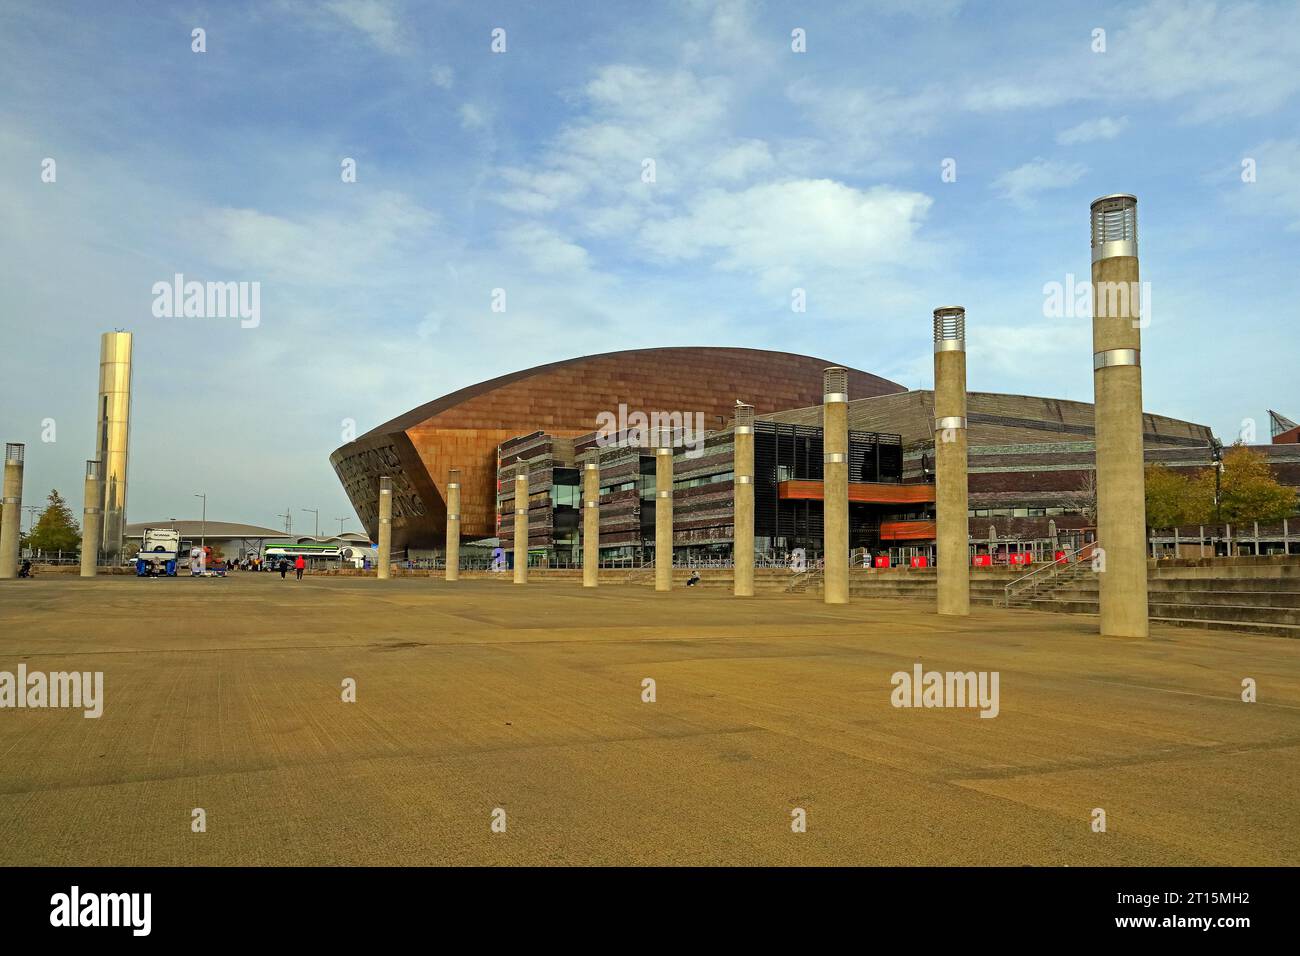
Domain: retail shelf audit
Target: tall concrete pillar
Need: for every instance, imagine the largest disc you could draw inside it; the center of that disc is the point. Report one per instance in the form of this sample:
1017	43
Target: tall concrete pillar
591	523
112	434
521	523
743	501
1117	397
90	523
453	525
13	510
952	531
385	528
664	514
835	485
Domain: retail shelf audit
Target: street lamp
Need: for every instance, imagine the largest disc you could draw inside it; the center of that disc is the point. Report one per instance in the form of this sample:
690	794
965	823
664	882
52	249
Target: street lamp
1216	450
340	521
316	512
203	530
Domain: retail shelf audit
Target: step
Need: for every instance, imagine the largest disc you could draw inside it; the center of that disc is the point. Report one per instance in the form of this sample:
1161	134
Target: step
1242	627
1245	613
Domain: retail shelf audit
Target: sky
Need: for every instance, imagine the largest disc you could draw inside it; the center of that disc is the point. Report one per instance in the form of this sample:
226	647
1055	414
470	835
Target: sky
631	175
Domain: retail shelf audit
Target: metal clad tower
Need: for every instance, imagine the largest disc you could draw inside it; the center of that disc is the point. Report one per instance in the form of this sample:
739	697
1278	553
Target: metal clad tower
952	531
112	437
743	502
835	485
1117	398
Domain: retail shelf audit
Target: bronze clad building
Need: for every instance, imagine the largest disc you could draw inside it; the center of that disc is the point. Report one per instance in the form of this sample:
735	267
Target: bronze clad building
464	429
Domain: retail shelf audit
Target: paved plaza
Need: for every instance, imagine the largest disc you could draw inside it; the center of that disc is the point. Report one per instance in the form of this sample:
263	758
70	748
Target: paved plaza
480	697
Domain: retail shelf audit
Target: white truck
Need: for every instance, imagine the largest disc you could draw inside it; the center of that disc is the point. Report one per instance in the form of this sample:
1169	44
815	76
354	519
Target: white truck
159	551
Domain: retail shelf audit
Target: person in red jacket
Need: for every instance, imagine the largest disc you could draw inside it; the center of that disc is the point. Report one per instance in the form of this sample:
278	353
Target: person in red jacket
298	565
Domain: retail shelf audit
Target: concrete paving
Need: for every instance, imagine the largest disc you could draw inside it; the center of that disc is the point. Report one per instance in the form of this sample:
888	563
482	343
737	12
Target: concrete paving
226	695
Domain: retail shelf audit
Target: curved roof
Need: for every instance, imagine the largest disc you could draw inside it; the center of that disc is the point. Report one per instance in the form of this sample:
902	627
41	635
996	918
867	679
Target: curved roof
666	355
213	529
464	429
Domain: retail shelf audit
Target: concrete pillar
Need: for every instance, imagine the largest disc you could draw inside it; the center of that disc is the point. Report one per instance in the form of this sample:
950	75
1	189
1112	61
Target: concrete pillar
13	510
90	522
453	525
1256	539
521	523
835	485
1200	538
742	547
591	523
1056	539
385	556
112	434
950	481
664	514
1117	390
1286	538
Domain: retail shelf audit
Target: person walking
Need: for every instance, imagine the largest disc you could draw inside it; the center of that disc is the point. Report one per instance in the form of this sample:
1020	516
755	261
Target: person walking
284	568
298	565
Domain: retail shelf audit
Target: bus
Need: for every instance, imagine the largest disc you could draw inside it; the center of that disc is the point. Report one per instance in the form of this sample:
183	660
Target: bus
312	552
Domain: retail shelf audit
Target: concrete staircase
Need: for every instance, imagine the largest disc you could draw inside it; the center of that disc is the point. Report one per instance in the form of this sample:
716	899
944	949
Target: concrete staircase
1247	595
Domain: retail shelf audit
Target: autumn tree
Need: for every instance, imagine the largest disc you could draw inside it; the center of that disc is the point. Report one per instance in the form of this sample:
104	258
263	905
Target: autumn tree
1171	498
1249	491
55	529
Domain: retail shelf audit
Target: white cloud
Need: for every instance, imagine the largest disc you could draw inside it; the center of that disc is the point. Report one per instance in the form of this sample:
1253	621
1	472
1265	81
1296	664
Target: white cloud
1228	59
1104	127
442	76
545	250
377	19
473	116
1022	183
782	231
1276	190
319	248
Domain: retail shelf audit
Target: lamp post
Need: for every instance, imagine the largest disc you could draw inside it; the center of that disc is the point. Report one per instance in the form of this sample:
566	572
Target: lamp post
340	521
1216	450
316	512
203	528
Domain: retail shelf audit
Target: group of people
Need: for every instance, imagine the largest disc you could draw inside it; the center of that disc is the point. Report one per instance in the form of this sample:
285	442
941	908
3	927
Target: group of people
283	565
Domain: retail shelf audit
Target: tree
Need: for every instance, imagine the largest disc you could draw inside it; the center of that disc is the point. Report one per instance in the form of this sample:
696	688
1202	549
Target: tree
1084	498
1249	491
1172	499
56	529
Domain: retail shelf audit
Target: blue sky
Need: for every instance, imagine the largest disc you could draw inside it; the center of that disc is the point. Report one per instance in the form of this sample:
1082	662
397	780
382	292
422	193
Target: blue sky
522	170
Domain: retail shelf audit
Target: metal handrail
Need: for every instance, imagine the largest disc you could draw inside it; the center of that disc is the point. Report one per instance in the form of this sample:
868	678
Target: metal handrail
1055	567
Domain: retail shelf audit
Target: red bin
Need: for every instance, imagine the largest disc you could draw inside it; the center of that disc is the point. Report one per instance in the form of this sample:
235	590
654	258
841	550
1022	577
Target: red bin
882	561
920	561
